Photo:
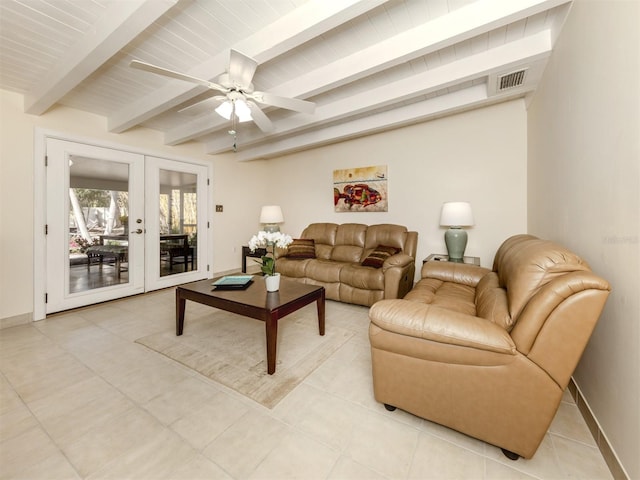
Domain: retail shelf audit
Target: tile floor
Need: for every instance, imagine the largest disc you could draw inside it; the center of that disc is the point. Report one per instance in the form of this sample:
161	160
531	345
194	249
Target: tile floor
80	399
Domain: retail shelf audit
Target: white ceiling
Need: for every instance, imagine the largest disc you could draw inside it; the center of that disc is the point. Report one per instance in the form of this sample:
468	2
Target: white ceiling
370	65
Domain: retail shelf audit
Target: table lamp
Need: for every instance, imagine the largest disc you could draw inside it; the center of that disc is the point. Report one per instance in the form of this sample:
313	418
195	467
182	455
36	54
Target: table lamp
456	215
271	216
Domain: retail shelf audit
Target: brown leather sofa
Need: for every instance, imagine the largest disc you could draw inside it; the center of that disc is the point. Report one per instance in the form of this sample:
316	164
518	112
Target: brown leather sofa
488	353
338	255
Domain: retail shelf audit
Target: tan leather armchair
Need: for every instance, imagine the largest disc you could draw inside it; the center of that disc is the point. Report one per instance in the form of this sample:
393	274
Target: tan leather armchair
488	353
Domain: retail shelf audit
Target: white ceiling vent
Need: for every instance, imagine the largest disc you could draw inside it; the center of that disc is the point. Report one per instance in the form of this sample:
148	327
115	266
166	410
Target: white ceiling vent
511	80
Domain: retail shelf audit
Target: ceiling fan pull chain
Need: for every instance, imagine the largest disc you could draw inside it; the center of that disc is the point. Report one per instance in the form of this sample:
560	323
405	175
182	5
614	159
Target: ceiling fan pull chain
234	130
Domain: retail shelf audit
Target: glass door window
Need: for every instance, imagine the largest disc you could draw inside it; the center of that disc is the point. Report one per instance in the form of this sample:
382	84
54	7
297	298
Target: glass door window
98	224
178	222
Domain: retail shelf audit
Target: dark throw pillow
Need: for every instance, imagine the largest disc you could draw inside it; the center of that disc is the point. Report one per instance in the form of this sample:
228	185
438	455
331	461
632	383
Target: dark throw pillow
302	248
379	255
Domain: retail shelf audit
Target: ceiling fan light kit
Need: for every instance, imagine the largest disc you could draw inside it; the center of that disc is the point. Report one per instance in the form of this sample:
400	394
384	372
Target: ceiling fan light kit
239	100
237	107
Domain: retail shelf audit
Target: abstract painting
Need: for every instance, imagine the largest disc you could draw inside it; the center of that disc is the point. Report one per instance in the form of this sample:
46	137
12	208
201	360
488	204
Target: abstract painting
362	189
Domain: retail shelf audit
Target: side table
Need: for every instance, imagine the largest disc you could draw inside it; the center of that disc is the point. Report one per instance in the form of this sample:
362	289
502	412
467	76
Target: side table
438	257
246	252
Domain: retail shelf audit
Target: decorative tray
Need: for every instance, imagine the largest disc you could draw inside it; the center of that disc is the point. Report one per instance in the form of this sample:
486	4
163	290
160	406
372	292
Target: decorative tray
233	282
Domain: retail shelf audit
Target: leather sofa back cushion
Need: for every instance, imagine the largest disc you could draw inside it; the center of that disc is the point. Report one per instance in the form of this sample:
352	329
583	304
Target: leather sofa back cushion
511	243
302	248
349	242
351	234
384	234
527	264
324	235
491	302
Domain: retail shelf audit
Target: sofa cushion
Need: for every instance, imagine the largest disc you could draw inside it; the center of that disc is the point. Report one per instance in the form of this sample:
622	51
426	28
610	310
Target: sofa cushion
351	234
491	301
362	278
509	244
293	267
324	235
385	234
326	271
349	243
525	264
302	248
377	257
449	295
346	253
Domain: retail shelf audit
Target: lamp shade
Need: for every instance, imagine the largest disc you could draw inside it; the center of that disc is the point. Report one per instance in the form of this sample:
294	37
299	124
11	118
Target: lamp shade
456	214
271	214
242	111
225	109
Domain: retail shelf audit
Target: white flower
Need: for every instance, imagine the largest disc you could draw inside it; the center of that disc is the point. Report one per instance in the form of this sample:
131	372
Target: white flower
264	239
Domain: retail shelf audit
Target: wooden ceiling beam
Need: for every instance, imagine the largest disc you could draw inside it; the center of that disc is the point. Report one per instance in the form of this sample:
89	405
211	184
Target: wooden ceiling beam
308	21
447	30
120	23
526	51
406	115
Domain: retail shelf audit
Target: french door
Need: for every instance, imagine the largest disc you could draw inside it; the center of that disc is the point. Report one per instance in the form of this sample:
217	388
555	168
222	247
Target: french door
120	223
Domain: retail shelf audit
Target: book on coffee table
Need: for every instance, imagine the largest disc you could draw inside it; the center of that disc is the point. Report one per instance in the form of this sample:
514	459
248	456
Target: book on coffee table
233	282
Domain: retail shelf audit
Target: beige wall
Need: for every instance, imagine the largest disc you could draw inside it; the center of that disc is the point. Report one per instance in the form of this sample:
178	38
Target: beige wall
584	190
478	156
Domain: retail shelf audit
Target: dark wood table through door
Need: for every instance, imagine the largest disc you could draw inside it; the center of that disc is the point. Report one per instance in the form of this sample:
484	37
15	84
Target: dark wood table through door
254	302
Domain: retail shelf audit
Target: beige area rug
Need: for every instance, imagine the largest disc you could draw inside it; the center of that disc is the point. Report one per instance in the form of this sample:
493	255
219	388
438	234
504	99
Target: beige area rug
231	350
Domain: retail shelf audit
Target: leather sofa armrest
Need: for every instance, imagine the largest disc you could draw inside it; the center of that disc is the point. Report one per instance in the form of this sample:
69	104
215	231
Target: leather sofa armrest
429	322
454	272
398	260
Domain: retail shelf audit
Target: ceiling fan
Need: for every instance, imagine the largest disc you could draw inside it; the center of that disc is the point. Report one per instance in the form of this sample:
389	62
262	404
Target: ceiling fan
239	99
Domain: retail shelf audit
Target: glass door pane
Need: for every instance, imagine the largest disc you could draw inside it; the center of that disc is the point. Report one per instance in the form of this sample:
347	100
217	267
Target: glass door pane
178	222
98	224
176	214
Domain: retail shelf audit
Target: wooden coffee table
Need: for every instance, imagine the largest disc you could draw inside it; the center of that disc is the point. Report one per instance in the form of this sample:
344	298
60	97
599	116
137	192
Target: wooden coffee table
254	302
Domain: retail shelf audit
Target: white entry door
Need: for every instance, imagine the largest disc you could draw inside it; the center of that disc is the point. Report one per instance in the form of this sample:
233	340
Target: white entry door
120	223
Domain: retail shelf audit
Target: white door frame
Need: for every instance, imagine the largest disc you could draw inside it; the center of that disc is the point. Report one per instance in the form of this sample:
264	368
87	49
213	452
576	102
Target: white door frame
39	206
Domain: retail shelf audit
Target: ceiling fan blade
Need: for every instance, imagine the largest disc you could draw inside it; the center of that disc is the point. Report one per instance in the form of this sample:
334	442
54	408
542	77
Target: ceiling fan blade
241	69
283	102
147	67
259	118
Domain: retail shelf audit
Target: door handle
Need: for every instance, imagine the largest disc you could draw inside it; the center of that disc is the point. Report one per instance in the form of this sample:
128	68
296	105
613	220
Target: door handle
138	231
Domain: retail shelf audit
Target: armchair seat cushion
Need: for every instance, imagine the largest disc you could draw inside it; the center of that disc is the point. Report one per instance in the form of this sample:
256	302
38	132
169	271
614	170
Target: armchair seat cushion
450	295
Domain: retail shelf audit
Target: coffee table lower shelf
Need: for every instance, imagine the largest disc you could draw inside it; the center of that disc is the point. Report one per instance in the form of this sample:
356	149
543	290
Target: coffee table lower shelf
254	302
